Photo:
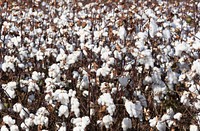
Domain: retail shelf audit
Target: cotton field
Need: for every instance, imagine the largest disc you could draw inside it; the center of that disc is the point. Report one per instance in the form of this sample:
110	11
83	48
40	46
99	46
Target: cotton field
100	65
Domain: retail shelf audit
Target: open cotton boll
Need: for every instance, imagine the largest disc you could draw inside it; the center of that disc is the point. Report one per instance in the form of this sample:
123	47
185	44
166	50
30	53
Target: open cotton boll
104	71
62	56
42	111
24	113
126	124
165	117
41	120
180	47
17	107
161	126
153	121
63	127
107	121
134	109
166	34
74	57
122	33
39	55
63	110
37	75
75	106
29	122
196	66
106	99
11	93
4	128
185	98
123	80
197	104
194	128
178	116
153	27
85	121
61	96
8	120
32	86
1	105
11	85
84	82
196	44
14	128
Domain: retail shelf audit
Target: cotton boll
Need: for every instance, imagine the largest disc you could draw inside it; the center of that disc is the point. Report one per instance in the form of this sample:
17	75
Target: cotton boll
84	82
107	121
194	128
36	75
39	55
122	33
197	104
75	106
29	122
75	74
123	81
11	85
62	56
134	109
166	34
63	110
104	71
180	47
178	116
63	127
165	117
11	93
161	126
111	109
126	124
8	120
196	44
117	55
54	71
185	98
153	27
147	80
153	122
85	121
14	128
4	128
42	111
1	105
24	113
17	107
106	99
32	86
196	66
